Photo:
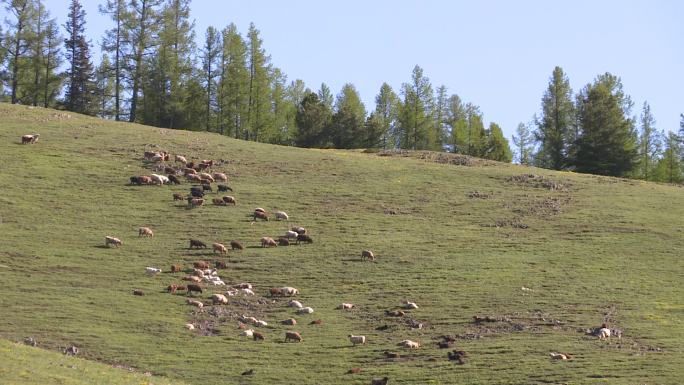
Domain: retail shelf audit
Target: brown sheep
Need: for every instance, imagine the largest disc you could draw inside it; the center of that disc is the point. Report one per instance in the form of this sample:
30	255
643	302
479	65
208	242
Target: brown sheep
283	242
289	321
293	336
219	202
174	179
178	197
193	178
181	159
220	248
235	245
230	200
195	202
256	336
367	254
145	232
189	171
380	381
200	265
268	242
354	371
304	238
176	268
260	215
195	288
144	179
194	243
138	292
207	177
192	278
275	291
220	176
316	322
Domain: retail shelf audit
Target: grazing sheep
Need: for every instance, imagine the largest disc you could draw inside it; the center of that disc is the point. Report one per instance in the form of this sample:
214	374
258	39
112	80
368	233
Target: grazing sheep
71	351
261	323
189	171
389	354
289	291
316	322
367	254
170	171
230	200
247	291
134	180
152	270
145	232
282	241
178	197
192	278
195	202
194	302
207	187
138	292
380	381
299	230
457	355
281	215
247	333
190	326
200	265
109	240
260	215
291	234
295	303
260	210
224	188
220	248
196	192
305	310
174	179
220	176
193	178
357	339
289	321
173	288
31	138
560	356
197	244
304	238
180	159
293	336
604	333
274	291
346	306
219	298
243	285
410	305
206	176
195	288
159	179
256	336
408	344
144	179
235	245
395	313
268	242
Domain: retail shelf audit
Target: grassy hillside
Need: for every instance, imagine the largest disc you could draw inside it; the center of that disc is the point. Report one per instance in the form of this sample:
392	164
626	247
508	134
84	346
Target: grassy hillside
459	240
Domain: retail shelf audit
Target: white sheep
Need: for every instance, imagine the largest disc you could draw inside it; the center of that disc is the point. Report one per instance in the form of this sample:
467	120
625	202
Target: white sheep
604	334
305	310
357	339
410	305
346	306
281	215
231	293
219	298
243	285
160	179
261	323
195	303
409	344
247	291
190	326
152	270
290	291
247	333
291	234
295	303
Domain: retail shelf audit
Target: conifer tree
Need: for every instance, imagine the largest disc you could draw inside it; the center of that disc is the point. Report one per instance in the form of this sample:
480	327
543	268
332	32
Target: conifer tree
210	56
415	116
650	146
349	120
16	42
554	127
114	43
258	108
80	87
313	119
233	84
523	144
385	117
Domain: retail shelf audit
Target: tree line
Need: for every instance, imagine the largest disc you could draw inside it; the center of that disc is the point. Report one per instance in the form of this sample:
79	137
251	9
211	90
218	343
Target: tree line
595	131
153	72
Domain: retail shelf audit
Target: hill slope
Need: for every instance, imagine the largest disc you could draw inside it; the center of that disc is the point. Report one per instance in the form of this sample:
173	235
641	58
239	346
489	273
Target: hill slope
460	241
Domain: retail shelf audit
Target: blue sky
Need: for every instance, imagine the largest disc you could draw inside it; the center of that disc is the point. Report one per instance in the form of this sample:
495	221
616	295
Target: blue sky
496	54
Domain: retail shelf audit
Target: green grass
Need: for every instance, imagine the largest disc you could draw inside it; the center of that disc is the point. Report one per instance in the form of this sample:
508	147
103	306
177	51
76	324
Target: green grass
596	248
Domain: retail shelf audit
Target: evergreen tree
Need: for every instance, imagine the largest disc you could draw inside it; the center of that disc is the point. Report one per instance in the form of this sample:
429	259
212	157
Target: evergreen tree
313	118
52	79
468	132
669	166
385	117
104	88
114	43
326	96
496	147
650	146
140	24
296	91
233	84
456	123
440	115
17	42
555	127
523	144
258	109
349	121
80	87
210	71
415	116
607	142
283	110
374	132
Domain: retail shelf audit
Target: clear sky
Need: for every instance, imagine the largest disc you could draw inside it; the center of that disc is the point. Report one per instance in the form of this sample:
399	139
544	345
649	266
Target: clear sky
496	54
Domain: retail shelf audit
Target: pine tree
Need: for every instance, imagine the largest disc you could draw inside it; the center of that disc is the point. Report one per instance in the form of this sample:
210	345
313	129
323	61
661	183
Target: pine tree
17	41
456	123
258	109
496	147
468	130
415	116
385	117
607	142
326	96
523	144
140	24
296	91
313	119
210	71
79	95
650	146
349	121
104	88
114	43
554	127
233	84
669	166
283	111
440	116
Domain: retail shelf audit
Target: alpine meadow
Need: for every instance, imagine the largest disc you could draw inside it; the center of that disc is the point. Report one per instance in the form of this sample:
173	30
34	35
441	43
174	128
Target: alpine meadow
358	193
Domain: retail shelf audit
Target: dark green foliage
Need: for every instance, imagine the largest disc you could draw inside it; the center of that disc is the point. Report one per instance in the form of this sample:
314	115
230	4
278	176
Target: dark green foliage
607	143
80	77
649	145
348	122
385	117
415	120
523	142
114	43
555	126
313	119
497	147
